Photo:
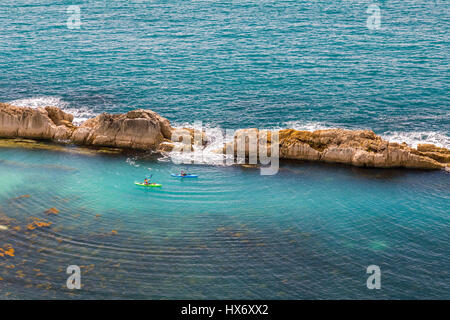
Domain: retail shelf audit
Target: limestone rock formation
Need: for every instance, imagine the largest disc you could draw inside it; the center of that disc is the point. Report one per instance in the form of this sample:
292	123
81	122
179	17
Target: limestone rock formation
33	123
58	116
436	153
249	140
137	129
145	129
362	148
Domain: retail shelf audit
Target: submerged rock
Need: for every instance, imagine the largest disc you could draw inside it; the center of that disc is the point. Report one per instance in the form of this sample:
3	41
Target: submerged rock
52	211
7	251
22	196
43	145
37	223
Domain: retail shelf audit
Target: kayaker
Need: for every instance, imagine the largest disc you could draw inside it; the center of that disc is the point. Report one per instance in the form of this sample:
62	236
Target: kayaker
183	173
145	181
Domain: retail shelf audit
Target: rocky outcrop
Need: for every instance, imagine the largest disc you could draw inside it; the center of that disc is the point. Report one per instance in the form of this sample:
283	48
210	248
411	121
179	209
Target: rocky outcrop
249	140
362	148
137	129
58	116
145	129
184	139
32	123
436	153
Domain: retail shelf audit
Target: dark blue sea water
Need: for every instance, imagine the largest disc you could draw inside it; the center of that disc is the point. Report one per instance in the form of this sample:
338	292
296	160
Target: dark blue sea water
237	63
308	232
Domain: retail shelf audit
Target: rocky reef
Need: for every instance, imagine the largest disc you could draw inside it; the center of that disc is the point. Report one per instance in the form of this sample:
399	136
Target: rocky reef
144	129
137	129
362	148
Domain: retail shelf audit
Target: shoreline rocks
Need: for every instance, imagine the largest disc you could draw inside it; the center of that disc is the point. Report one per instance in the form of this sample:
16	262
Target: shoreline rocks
138	129
361	148
146	130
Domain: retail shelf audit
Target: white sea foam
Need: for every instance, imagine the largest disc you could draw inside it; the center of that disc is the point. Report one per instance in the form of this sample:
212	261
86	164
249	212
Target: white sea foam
80	114
132	162
41	101
414	138
217	140
306	125
208	154
217	134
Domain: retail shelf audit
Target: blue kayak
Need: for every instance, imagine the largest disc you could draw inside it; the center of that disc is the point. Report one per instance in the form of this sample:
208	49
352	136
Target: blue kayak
185	176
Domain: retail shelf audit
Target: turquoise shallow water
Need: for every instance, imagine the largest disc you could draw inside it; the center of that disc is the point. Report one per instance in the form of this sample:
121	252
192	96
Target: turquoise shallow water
308	232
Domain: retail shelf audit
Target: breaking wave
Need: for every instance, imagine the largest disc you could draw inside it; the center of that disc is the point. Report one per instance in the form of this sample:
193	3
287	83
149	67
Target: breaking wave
206	154
80	114
218	137
414	138
307	126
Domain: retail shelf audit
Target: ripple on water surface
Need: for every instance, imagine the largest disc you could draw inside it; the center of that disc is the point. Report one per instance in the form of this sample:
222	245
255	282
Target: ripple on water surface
231	233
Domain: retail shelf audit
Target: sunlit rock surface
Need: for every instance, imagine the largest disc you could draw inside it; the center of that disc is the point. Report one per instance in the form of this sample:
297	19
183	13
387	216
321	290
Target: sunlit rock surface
146	130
